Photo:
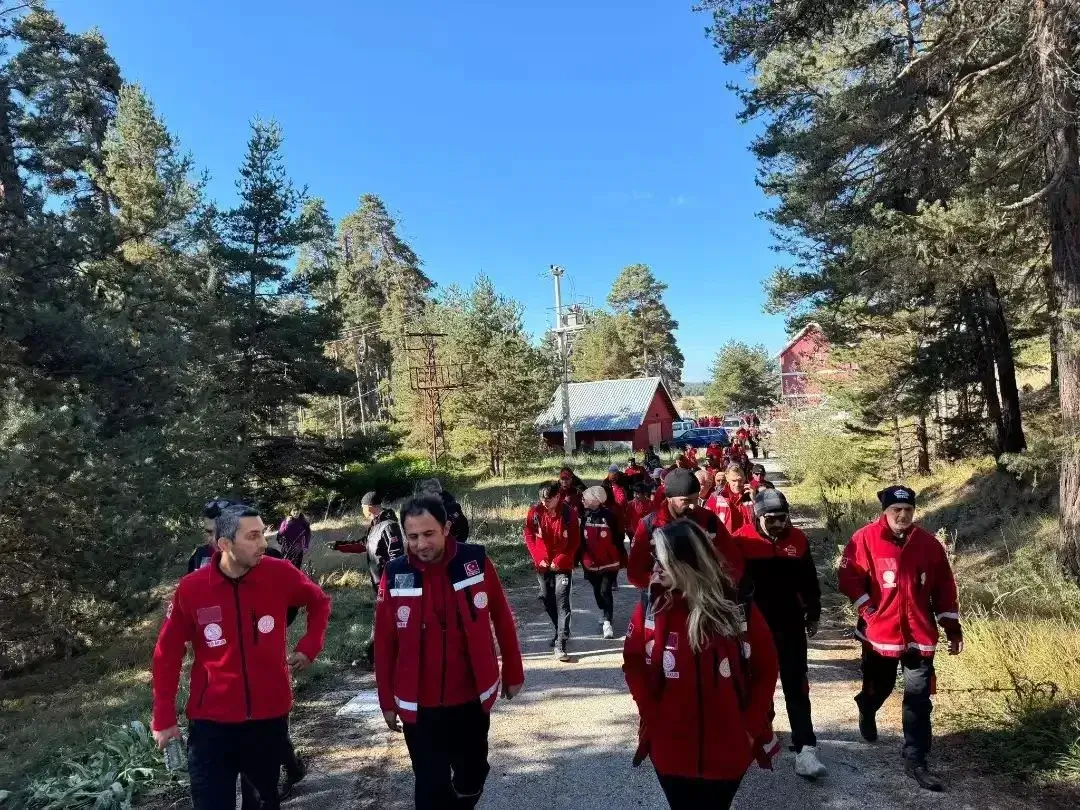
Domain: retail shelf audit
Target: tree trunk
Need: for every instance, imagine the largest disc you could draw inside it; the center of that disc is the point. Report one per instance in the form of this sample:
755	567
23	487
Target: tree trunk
997	333
1056	42
1053	321
988	381
11	190
922	436
898	449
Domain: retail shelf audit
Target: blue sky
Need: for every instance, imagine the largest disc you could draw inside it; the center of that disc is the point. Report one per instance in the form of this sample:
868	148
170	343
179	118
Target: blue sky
505	136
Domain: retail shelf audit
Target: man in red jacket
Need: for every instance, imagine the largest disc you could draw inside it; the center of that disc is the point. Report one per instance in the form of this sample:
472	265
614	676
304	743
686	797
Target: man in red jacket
636	508
553	536
233	613
436	666
898	577
681	490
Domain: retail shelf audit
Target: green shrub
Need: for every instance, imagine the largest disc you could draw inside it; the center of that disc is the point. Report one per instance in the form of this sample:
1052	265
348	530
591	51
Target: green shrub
107	775
392	477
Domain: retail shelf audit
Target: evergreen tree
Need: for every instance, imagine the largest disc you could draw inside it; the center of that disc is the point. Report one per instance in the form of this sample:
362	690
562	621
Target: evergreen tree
743	378
650	339
600	352
508	380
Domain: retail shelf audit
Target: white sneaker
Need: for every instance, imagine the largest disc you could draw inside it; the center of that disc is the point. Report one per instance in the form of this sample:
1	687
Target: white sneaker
808	765
609	631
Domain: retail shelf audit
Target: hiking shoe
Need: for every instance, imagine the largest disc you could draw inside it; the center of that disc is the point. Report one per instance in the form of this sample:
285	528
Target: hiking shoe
921	774
609	631
868	725
808	765
561	654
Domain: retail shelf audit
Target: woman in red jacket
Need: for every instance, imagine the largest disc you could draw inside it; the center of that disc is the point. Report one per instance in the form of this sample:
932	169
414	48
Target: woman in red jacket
702	669
603	553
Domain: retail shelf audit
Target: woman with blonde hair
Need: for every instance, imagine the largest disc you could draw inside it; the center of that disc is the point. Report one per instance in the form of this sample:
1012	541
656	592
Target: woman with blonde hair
701	666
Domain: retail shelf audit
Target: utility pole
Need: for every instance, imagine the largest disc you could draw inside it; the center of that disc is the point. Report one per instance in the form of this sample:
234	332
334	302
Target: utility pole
560	339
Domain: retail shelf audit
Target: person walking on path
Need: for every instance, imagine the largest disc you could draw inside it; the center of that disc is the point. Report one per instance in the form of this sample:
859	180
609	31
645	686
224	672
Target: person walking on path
702	669
553	536
602	552
294	536
202	555
899	579
786	590
437	670
681	490
232	613
637	507
732	502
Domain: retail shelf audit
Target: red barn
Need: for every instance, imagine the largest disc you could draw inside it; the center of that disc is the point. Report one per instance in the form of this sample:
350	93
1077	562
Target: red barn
635	412
806	353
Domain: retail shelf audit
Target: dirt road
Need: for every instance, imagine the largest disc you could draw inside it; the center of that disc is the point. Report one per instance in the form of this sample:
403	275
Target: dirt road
567	740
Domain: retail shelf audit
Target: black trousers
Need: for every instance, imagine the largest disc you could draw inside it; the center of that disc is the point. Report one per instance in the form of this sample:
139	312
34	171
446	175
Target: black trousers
289	761
218	752
879	679
603	582
449	750
792	652
685	793
555	594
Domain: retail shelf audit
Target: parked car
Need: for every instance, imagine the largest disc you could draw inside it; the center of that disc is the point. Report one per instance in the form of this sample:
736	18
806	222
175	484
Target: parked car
680	427
732	424
702	437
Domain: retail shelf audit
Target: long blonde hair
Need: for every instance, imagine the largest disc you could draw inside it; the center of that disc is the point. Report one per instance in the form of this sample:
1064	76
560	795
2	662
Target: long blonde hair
688	557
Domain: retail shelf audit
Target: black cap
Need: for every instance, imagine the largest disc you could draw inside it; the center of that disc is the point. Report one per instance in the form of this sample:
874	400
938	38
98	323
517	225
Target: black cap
370	499
681	483
890	496
758	469
770	502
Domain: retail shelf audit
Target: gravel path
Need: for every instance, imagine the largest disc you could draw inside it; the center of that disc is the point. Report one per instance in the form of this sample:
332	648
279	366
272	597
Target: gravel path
567	740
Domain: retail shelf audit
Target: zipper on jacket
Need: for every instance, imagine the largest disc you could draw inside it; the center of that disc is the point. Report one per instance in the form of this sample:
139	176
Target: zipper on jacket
255	628
701	716
243	656
205	689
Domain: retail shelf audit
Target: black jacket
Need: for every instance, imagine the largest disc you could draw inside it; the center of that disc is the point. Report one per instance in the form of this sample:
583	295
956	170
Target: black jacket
459	524
385	542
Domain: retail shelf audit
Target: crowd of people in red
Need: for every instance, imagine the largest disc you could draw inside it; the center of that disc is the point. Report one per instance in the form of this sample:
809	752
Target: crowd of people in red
728	598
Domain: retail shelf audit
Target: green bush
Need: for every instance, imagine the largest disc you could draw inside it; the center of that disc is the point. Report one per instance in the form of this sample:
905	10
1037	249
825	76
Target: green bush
392	477
107	776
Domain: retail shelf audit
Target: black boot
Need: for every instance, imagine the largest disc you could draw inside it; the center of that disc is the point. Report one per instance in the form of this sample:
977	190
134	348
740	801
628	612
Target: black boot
921	774
867	725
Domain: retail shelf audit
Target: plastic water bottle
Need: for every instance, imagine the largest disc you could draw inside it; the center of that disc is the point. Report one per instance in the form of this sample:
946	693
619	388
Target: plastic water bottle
174	754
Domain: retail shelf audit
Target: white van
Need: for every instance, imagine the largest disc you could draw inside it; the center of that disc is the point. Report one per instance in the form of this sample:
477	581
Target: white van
680	427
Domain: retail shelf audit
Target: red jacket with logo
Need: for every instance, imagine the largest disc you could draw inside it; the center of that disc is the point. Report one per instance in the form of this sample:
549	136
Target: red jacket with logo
699	710
639	567
553	538
433	633
901	588
635	510
603	548
785	578
733	508
236	629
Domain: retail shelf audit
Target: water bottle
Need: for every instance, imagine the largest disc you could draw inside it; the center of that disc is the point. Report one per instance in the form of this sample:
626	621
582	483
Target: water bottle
174	754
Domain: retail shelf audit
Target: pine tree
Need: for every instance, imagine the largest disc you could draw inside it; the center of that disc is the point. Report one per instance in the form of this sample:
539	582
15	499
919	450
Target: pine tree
601	352
638	295
743	378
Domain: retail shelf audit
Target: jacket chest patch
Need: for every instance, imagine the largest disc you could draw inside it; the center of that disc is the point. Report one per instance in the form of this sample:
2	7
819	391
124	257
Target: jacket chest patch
888	578
480	600
724	668
213	635
404	581
403	616
791	551
266	624
669	665
206	615
472	568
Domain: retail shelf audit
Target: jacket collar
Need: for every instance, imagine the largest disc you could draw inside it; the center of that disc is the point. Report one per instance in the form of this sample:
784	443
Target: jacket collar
217	576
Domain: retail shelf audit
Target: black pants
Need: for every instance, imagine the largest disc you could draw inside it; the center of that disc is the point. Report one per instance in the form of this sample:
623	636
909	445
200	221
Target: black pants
791	650
292	766
753	447
218	752
879	678
602	584
685	793
449	749
555	594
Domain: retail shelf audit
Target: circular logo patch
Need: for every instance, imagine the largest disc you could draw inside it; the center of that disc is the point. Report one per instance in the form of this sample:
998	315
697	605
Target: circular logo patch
725	668
403	613
603	532
889	576
266	624
669	660
212	632
480	599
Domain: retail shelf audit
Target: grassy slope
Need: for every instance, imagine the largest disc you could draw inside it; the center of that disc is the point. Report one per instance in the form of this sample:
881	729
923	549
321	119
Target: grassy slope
58	711
1013	698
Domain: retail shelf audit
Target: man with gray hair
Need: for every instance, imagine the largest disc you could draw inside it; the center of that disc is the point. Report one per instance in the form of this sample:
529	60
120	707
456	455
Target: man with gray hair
233	613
